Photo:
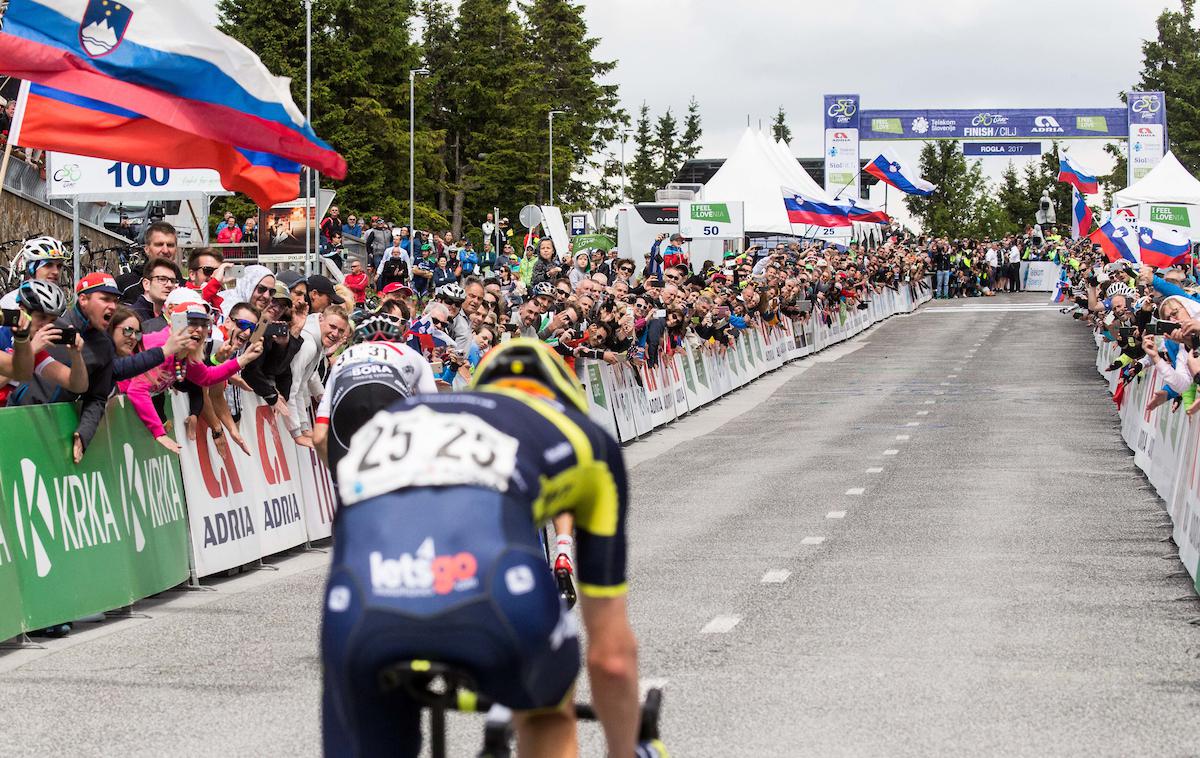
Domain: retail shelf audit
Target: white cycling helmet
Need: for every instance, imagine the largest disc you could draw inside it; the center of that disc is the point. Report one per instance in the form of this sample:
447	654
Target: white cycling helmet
543	288
452	291
40	250
37	296
1120	288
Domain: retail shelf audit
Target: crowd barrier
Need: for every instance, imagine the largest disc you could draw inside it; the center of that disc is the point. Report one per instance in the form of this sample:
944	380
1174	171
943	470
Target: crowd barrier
1166	447
133	519
633	401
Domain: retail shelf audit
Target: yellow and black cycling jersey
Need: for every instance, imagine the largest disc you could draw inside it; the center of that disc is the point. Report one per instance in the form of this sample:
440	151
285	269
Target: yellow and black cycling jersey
542	457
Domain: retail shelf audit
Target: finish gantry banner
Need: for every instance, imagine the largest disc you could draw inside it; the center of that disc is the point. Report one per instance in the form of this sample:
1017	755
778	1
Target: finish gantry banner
998	123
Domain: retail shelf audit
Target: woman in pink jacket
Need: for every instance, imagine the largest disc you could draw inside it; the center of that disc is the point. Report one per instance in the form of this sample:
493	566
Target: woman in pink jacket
188	363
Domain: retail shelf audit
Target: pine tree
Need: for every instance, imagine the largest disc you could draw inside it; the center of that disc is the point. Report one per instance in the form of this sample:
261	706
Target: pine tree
643	172
689	142
666	147
566	76
779	127
959	207
1016	207
1171	63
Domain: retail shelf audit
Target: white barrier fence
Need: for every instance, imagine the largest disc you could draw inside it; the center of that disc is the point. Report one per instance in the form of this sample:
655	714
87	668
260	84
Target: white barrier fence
1166	446
241	508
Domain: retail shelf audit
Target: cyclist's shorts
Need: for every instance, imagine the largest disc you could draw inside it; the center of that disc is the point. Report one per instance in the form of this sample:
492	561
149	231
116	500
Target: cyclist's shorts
454	575
357	398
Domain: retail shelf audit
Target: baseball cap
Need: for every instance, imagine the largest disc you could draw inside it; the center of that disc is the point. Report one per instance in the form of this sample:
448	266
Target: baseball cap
97	281
676	236
321	284
281	292
404	290
290	278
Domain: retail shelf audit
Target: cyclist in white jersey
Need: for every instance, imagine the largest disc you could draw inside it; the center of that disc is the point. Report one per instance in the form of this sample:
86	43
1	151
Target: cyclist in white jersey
370	375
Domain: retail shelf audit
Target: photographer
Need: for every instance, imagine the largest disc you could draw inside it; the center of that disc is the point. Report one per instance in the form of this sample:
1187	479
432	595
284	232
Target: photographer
25	344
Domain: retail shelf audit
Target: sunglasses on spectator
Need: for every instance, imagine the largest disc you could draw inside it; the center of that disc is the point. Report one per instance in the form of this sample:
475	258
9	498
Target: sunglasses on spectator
245	324
131	331
563	292
439	323
261	290
208	270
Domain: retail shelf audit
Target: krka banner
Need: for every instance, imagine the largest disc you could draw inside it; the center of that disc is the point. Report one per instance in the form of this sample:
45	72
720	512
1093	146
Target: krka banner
77	540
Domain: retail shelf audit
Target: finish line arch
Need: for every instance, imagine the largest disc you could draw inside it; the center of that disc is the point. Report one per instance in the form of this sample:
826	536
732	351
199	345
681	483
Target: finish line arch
1142	123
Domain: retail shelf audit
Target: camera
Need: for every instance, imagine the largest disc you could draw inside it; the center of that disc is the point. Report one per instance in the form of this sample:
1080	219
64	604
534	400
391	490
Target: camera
12	317
67	336
1161	327
276	329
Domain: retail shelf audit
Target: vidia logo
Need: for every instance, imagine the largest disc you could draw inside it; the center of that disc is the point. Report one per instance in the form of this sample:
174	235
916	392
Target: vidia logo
423	575
275	467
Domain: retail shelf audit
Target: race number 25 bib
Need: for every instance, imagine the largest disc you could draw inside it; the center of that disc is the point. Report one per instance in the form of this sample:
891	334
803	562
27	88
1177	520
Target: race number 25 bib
424	448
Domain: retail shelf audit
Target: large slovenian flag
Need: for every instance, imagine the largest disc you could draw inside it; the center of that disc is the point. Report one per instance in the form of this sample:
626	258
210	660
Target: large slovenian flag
1070	172
51	119
888	168
802	209
862	211
1081	216
164	62
1162	245
1114	240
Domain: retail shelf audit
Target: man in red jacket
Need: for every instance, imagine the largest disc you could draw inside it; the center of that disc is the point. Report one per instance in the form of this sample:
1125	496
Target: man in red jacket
356	281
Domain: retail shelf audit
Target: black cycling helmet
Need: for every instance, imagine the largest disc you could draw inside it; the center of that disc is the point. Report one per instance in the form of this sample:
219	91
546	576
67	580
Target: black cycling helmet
525	359
379	328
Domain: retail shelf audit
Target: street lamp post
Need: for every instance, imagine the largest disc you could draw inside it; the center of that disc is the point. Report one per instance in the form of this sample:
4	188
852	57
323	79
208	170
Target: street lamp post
552	114
624	192
412	151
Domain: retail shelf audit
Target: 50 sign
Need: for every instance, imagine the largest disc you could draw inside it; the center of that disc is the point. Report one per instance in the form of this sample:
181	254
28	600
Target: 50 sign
136	175
711	220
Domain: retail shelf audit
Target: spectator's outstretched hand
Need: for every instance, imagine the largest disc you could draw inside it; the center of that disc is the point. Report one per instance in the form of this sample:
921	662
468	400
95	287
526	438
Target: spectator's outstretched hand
253	350
168	443
177	341
44	337
78	448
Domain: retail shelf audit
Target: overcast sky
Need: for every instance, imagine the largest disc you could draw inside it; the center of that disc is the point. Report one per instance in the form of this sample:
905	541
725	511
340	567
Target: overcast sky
749	57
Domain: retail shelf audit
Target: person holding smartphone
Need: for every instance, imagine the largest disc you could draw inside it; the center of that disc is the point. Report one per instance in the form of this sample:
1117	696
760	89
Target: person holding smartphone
23	346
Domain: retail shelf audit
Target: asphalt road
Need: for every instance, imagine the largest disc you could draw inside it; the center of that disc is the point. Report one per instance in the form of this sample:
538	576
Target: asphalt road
928	541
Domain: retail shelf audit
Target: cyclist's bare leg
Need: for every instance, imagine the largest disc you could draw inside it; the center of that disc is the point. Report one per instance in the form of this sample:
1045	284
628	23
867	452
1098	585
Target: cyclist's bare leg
564	529
546	735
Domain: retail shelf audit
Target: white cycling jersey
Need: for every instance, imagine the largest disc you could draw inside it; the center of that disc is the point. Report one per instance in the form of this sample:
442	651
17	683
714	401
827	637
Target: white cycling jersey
413	369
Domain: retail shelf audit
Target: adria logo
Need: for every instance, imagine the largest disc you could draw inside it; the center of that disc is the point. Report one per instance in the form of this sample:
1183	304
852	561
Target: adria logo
224	483
1145	131
841	135
31	508
275	468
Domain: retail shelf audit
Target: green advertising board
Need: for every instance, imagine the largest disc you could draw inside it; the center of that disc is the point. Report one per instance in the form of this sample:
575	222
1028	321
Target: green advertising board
1175	215
82	539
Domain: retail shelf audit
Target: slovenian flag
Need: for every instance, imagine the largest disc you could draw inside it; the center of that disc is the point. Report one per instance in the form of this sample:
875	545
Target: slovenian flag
1114	240
1081	216
1071	173
1162	246
424	336
50	119
802	209
862	211
164	62
887	168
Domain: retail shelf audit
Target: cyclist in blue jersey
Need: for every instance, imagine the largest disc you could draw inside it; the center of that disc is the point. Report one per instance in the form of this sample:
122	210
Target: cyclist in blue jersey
436	557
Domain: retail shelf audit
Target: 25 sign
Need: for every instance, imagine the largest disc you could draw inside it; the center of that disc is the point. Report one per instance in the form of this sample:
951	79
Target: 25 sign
136	175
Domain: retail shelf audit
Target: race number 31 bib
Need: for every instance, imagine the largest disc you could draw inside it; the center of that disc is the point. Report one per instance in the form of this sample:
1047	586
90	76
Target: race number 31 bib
424	448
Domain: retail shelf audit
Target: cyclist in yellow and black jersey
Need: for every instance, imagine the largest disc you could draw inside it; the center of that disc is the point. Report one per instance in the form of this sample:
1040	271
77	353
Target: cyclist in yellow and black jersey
436	557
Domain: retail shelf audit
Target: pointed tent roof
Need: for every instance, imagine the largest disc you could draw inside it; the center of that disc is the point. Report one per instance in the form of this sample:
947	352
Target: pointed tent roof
754	176
1168	182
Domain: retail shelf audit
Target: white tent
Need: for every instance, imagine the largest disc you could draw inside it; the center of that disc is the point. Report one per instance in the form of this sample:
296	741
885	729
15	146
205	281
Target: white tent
1168	182
753	175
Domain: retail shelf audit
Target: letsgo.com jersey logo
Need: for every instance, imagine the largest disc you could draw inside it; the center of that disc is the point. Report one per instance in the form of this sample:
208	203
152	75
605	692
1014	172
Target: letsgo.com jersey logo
423	574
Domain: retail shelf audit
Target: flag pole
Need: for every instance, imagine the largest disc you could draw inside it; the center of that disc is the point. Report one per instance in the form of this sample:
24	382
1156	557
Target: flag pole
14	130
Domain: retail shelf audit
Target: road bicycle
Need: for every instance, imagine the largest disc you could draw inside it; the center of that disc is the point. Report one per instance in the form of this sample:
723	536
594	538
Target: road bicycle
441	688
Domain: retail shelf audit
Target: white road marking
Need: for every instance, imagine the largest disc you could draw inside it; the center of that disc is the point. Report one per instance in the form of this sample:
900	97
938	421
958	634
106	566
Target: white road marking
776	576
812	540
903	437
951	376
891	451
721	625
945	384
930	402
922	413
958	368
856	490
836	514
914	423
875	470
